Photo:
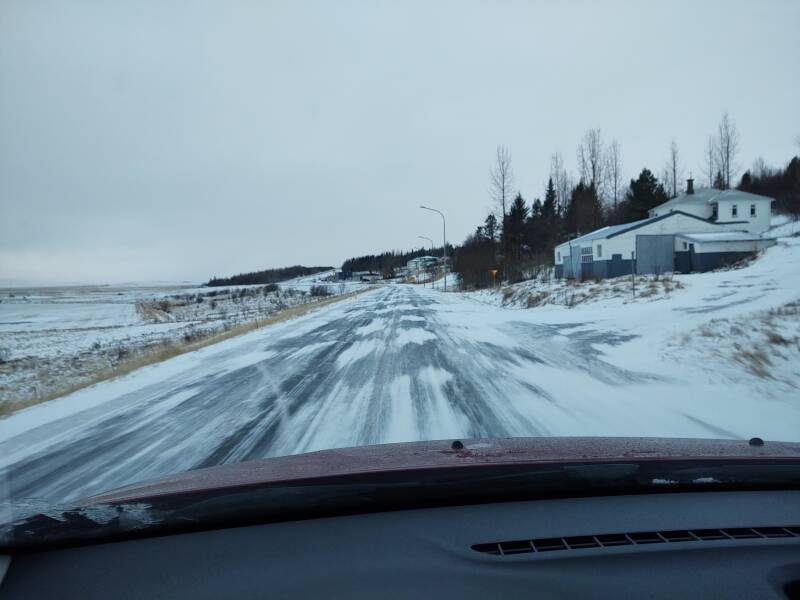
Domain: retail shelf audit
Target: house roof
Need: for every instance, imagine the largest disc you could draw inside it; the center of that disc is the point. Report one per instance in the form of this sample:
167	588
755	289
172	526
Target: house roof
615	230
605	232
722	236
711	195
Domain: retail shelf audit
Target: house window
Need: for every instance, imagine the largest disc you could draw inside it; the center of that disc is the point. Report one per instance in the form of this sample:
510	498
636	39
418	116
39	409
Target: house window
685	246
558	256
752	210
714	211
586	254
734	211
599	250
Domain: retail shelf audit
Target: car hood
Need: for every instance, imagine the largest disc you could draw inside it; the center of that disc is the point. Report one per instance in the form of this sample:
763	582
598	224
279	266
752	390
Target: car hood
405	476
447	454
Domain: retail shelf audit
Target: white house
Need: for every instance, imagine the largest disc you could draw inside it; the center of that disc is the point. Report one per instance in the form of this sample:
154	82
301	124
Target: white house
693	232
749	212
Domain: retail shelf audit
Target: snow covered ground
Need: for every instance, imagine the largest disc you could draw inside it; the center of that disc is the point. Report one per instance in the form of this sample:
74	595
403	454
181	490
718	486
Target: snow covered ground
716	356
54	338
719	357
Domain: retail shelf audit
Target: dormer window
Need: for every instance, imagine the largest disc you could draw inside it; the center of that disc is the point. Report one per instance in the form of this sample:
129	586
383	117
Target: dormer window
734	211
752	210
714	211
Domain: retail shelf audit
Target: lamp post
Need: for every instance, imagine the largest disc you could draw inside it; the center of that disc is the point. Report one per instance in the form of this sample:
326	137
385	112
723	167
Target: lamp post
431	241
444	241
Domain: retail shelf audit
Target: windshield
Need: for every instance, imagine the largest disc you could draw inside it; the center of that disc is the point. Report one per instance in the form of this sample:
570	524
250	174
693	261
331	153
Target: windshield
239	231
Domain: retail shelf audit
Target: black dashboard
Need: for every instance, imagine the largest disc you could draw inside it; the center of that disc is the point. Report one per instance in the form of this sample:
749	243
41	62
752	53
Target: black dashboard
671	545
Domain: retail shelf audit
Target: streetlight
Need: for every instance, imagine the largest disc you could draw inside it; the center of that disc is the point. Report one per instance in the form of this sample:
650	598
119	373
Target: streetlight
444	241
431	241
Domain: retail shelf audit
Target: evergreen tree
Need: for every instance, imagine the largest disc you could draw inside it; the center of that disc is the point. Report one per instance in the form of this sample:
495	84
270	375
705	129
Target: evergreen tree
746	183
549	206
517	217
490	228
536	209
585	212
645	193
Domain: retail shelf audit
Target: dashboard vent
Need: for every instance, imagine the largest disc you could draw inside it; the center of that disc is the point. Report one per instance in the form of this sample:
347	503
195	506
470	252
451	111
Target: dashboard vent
637	538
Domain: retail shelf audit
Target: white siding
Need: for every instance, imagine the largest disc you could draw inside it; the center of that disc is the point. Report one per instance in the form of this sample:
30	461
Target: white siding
625	243
622	244
733	246
755	224
560	252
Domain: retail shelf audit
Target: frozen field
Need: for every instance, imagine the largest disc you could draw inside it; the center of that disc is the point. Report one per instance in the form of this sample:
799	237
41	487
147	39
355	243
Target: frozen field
51	338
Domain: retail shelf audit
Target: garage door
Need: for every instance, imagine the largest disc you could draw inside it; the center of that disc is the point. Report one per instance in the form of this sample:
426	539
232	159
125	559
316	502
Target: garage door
655	253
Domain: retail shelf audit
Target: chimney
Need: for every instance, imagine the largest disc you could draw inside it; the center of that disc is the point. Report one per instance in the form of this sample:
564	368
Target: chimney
689	186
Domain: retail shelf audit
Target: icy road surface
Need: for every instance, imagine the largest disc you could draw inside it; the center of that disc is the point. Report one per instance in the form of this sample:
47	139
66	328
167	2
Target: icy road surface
396	364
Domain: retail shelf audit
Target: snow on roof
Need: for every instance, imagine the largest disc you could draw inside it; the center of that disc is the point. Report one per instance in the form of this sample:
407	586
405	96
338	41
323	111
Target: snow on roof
605	232
710	196
722	236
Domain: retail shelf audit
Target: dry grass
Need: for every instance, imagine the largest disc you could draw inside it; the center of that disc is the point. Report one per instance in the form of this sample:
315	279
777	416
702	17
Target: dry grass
536	299
754	360
162	352
773	337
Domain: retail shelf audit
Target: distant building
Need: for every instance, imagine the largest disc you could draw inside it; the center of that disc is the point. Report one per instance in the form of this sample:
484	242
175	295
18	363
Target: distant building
693	232
421	263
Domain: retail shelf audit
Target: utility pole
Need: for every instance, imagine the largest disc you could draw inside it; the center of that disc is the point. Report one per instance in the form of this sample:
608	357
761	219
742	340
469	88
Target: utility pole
444	241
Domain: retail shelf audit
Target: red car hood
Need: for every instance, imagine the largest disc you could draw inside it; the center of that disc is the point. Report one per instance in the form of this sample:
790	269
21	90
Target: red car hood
415	456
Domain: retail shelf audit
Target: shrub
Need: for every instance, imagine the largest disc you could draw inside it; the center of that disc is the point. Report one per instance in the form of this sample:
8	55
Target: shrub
319	291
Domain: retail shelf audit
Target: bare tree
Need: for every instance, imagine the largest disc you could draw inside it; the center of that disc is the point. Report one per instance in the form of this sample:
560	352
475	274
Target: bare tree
590	158
613	169
501	179
727	149
710	160
760	168
561	181
673	172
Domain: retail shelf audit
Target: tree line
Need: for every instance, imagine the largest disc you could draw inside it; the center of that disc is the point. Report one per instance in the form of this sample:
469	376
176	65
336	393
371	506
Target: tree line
386	262
517	238
266	276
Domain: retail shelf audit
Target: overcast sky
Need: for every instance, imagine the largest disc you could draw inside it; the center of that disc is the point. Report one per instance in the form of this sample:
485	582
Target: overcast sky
144	141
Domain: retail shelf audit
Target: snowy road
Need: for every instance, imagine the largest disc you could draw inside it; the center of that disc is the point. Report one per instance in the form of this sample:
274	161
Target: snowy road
396	364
